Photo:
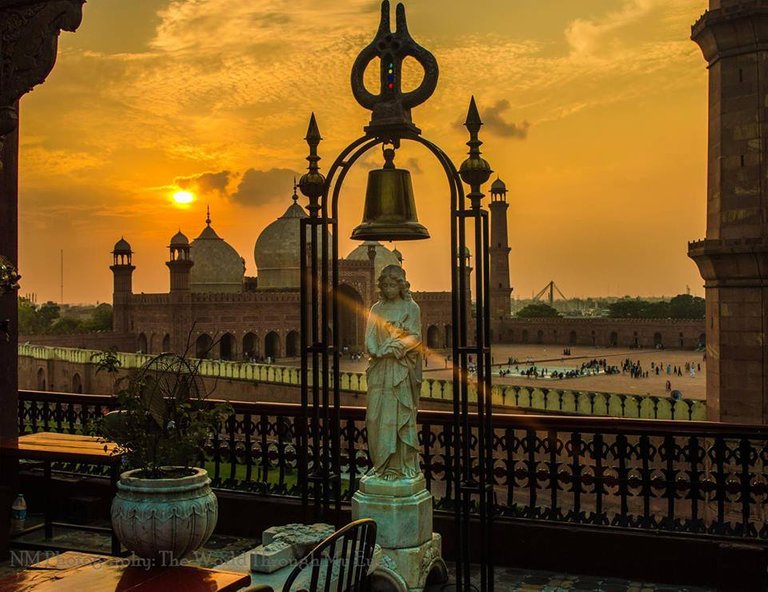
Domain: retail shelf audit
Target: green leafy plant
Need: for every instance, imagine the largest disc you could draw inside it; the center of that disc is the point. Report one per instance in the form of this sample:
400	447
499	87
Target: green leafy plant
163	420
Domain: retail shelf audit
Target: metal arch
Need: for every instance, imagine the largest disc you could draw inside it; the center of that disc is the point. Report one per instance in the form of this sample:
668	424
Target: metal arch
464	484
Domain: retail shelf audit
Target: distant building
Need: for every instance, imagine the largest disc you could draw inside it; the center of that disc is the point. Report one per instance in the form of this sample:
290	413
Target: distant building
210	299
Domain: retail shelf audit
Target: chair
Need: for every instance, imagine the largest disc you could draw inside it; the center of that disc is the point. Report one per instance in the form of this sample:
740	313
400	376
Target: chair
339	564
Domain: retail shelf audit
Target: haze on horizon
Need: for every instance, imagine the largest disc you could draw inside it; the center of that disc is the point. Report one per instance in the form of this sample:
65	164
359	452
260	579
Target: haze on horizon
595	113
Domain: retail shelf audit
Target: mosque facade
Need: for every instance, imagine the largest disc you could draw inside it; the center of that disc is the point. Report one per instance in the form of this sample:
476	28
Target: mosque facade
213	310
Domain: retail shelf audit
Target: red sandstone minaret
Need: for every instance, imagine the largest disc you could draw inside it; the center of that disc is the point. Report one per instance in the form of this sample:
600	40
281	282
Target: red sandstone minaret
179	264
501	289
733	258
122	271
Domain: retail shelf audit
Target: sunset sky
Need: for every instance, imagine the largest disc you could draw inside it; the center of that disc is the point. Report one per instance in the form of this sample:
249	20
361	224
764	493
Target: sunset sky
595	112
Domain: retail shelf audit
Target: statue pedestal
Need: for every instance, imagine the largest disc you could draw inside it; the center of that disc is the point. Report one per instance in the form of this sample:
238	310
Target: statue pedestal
410	551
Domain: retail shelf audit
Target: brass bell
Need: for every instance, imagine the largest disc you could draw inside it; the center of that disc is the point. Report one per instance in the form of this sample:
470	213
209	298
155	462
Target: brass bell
390	209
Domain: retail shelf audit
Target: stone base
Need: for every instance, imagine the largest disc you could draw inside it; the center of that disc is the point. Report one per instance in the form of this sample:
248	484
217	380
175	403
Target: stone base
409	570
402	511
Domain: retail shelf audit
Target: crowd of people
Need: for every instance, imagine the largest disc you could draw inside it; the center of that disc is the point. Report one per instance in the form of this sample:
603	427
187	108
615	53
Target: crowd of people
628	366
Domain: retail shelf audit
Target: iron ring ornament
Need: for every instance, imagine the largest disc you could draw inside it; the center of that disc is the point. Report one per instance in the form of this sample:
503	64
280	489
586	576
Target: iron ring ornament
392	107
9	276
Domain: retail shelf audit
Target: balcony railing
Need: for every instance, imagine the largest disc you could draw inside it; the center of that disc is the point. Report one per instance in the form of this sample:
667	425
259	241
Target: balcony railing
683	477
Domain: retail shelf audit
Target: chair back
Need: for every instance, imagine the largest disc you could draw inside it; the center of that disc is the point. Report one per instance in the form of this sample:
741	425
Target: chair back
339	564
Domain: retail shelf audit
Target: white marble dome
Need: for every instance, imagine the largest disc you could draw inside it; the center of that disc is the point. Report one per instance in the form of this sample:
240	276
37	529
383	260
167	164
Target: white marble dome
276	252
218	267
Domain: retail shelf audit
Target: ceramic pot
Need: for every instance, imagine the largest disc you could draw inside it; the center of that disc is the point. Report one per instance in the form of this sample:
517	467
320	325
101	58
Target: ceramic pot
164	519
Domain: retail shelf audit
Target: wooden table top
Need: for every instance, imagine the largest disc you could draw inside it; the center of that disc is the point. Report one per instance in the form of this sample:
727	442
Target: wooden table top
62	447
83	572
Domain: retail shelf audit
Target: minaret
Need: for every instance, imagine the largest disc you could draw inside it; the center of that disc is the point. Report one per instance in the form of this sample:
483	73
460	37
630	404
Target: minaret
501	289
179	263
122	271
733	258
180	295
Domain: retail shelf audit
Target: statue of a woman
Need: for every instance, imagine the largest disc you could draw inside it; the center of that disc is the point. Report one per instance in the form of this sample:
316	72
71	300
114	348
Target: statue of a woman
393	342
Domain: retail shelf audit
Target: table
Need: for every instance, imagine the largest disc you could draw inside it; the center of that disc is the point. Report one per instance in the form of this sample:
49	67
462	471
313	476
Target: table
52	447
84	572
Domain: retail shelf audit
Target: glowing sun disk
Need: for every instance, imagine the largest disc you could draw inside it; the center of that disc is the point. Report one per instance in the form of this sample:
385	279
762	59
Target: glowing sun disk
183	197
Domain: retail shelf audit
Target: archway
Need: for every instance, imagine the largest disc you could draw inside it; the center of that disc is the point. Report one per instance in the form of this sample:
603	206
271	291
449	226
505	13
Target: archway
41	386
203	345
594	339
540	336
154	344
572	338
77	383
525	335
448	336
250	346
272	345
227	347
351	318
657	340
682	341
292	344
166	343
613	340
142	344
703	340
433	337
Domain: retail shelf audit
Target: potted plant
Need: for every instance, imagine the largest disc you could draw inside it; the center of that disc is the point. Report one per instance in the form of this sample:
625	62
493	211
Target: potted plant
164	508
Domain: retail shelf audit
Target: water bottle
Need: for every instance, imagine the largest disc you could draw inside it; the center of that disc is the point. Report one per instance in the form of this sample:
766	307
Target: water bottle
19	512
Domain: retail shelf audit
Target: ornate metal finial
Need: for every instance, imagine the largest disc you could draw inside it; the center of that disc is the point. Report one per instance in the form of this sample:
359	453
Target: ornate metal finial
475	170
295	196
312	183
391	108
208	215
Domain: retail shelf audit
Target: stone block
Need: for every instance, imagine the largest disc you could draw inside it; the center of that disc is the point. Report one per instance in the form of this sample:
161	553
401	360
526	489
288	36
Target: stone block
269	558
401	522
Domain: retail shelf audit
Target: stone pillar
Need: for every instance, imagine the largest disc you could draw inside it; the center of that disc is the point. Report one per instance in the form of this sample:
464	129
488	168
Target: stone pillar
733	258
29	32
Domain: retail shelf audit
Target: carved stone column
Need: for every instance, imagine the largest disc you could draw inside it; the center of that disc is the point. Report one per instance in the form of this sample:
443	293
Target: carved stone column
29	33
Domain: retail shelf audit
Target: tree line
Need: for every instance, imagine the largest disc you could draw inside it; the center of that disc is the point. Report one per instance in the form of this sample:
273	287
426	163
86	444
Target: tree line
47	319
682	306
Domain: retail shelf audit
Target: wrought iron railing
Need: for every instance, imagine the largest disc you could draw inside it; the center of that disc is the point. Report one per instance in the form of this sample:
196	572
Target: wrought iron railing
685	477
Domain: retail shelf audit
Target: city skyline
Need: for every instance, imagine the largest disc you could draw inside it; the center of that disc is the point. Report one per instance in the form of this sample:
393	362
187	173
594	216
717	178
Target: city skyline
601	105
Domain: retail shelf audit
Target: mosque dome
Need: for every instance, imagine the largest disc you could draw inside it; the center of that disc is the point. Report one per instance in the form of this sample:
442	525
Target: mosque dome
218	267
179	240
276	252
498	186
383	256
122	247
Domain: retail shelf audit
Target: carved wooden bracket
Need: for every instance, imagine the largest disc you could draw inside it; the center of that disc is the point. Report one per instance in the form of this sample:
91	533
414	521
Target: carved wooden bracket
29	36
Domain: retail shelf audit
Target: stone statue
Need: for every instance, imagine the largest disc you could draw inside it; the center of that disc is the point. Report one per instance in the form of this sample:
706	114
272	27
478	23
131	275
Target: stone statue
393	342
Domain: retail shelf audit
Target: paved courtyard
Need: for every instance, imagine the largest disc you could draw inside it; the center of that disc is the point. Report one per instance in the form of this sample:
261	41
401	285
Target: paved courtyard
551	357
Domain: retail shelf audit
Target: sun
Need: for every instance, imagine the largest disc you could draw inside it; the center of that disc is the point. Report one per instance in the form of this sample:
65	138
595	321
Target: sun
183	197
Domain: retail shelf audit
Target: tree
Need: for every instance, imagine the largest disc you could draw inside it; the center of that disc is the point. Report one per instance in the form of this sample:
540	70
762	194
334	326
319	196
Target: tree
685	306
537	311
35	319
101	319
627	308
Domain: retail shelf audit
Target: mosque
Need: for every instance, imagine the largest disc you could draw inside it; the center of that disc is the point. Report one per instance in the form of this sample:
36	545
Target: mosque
214	310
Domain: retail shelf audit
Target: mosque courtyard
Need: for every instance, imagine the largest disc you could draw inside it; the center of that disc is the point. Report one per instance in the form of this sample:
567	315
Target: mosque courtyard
551	357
